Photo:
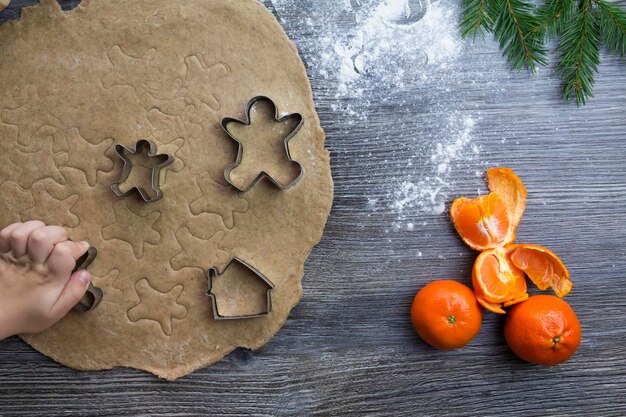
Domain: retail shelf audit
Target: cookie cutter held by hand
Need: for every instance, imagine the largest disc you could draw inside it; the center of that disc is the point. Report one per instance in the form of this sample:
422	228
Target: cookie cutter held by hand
214	273
93	296
122	151
248	122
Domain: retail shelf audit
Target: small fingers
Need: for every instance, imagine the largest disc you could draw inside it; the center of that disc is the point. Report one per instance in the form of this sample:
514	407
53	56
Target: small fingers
5	237
42	241
21	235
73	291
62	259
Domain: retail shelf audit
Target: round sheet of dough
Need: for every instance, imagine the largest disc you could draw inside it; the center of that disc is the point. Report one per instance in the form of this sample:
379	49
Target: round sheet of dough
111	72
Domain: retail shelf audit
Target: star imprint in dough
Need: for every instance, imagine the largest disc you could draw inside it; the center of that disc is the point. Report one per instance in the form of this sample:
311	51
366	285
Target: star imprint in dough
85	156
133	229
191	246
229	203
157	306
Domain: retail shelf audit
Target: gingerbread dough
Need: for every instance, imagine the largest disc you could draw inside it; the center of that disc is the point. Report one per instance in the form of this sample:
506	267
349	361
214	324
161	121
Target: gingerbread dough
111	72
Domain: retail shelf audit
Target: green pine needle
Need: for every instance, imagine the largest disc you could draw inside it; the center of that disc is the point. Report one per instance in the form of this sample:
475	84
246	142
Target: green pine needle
477	17
613	26
553	15
581	26
514	30
580	53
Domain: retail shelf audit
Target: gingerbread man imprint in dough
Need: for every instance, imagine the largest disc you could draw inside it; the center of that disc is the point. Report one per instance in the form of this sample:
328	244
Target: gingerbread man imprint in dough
263	140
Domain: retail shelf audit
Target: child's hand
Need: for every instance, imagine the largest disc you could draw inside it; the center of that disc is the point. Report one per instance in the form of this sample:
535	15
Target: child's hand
37	287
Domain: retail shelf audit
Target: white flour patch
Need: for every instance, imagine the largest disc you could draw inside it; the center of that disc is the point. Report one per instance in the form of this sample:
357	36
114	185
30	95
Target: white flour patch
429	194
395	42
365	54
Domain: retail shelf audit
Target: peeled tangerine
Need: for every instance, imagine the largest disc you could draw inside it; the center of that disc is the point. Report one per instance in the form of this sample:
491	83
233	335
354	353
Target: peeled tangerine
491	221
498	275
489	224
497	283
482	223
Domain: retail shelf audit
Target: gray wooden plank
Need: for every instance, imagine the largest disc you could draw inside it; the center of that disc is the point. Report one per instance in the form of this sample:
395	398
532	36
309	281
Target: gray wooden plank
348	348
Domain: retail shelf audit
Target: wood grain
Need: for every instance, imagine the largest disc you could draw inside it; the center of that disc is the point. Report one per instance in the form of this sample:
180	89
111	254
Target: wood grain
348	348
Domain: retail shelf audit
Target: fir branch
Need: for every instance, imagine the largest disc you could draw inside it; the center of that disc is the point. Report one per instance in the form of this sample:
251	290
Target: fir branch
477	17
522	30
553	15
513	28
580	53
613	26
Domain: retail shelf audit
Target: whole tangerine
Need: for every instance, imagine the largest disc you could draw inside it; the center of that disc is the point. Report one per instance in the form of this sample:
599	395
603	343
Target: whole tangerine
543	330
446	314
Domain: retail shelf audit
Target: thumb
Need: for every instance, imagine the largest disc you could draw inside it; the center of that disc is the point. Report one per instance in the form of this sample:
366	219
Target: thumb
73	291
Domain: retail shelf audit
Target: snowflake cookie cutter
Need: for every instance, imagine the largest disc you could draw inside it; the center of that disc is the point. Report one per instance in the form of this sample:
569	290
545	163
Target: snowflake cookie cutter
164	160
215	273
227	121
93	296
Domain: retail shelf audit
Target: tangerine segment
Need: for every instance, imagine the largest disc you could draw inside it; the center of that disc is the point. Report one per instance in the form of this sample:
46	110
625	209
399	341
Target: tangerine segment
509	187
497	283
483	223
542	266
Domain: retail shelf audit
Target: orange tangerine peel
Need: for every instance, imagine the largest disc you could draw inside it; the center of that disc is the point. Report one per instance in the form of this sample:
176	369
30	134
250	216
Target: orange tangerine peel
542	266
510	188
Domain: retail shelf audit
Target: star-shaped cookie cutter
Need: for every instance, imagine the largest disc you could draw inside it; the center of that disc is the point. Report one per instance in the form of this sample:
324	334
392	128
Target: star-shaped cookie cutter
128	165
216	273
93	296
277	119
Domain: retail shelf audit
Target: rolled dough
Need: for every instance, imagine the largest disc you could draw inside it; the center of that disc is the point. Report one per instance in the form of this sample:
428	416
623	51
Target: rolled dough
111	72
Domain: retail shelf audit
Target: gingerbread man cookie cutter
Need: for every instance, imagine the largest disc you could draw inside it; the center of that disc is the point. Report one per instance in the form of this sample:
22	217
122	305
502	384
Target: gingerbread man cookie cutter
227	121
93	296
215	273
163	161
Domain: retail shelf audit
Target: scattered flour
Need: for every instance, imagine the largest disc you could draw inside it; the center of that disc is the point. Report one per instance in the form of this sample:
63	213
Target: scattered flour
396	36
425	194
362	54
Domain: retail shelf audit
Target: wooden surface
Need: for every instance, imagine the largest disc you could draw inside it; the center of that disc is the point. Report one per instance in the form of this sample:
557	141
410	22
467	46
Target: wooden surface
348	348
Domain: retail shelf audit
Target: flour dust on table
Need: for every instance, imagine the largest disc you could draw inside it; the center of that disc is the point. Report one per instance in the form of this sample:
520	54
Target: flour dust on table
395	47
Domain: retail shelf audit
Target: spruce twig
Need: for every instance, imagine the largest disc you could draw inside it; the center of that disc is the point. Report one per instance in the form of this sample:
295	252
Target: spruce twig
552	15
580	53
613	26
519	44
523	30
477	18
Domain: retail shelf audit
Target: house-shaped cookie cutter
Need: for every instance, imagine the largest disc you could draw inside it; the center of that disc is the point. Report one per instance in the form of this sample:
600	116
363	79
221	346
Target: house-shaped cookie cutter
229	120
216	273
93	296
128	165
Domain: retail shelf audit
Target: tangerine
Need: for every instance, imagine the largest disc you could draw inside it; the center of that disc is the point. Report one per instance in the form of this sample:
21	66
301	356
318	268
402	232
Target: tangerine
543	330
446	314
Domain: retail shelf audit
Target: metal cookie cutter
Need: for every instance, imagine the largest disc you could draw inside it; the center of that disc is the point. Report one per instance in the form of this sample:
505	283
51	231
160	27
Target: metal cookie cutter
165	160
215	273
229	120
93	296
